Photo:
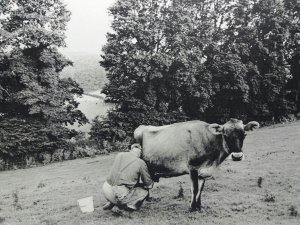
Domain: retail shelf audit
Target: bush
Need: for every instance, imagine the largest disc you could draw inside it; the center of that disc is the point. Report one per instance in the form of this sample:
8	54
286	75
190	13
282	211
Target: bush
26	141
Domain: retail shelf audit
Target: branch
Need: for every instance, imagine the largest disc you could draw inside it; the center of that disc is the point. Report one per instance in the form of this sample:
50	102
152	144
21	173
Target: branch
2	89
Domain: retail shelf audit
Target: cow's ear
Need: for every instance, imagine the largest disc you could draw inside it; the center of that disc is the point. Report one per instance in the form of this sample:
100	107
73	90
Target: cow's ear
216	129
251	126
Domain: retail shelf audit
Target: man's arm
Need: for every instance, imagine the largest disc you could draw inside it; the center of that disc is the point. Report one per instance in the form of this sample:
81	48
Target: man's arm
145	175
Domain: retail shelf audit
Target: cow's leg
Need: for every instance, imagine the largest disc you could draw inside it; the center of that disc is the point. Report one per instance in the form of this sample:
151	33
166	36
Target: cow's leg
198	197
194	189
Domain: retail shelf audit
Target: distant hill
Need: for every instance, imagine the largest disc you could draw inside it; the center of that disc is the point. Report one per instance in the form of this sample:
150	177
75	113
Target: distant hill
86	70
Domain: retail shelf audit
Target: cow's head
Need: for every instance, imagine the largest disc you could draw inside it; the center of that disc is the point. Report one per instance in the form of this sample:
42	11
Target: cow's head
234	132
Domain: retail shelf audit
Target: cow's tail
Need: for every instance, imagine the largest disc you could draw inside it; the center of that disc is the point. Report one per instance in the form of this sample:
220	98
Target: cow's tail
138	138
138	135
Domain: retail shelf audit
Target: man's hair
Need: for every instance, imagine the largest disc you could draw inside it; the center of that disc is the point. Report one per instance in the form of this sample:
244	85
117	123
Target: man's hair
136	145
136	149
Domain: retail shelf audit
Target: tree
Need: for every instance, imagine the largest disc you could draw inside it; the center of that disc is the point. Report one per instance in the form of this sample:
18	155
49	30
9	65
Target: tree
30	63
152	71
262	35
293	11
173	60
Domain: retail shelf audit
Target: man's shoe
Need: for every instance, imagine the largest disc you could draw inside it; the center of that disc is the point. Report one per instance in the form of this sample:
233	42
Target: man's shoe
131	208
121	212
126	208
108	206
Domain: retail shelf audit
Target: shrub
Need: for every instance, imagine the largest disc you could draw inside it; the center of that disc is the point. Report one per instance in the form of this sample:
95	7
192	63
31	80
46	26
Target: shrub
25	141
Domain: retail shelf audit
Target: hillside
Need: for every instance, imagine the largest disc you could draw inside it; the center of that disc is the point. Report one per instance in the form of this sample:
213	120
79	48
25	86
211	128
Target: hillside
48	195
86	70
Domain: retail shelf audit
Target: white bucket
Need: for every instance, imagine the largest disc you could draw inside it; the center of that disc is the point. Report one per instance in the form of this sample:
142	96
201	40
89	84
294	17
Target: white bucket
86	204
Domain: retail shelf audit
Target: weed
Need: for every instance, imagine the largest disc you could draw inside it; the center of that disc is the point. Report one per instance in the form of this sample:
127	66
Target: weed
15	197
41	185
259	182
16	203
87	179
269	198
293	211
180	192
231	171
36	202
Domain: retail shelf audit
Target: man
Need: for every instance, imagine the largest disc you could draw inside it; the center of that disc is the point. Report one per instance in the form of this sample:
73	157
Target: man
122	187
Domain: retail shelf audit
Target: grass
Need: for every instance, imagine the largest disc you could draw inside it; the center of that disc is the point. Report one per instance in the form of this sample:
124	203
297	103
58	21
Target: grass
48	195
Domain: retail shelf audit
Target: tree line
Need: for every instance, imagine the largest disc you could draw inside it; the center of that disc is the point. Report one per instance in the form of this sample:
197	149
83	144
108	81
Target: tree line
176	60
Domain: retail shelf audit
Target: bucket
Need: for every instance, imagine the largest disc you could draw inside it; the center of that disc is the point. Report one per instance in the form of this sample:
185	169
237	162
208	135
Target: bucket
86	204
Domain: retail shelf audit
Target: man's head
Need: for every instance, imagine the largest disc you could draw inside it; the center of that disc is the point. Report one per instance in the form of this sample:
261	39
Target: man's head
136	149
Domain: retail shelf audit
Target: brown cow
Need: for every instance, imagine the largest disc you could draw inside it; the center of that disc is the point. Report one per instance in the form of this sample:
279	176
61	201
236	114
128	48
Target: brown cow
193	147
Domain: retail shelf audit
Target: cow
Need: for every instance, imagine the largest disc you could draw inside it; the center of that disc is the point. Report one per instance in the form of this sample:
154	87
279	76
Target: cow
193	147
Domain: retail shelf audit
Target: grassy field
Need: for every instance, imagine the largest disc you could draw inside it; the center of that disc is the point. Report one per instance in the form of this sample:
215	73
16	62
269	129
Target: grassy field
48	195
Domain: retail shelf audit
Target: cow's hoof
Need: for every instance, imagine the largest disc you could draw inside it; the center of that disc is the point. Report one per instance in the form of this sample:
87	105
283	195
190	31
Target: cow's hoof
193	209
155	179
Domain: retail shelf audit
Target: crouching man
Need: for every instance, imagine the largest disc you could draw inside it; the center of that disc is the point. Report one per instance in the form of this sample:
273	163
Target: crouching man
123	187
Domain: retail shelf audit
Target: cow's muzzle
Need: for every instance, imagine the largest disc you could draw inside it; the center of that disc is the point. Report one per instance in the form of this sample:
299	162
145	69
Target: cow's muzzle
237	156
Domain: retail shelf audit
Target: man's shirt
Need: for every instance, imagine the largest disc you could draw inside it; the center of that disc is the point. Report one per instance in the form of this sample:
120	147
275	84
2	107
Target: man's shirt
127	169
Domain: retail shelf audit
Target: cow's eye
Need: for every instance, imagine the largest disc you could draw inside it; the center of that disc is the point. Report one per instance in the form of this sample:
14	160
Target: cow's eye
242	135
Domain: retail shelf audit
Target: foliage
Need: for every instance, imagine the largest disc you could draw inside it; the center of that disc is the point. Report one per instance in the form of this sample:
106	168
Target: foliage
172	60
30	62
21	138
30	87
263	35
26	141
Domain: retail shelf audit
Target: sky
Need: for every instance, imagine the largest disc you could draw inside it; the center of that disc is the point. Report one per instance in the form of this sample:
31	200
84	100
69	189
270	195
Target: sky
88	26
